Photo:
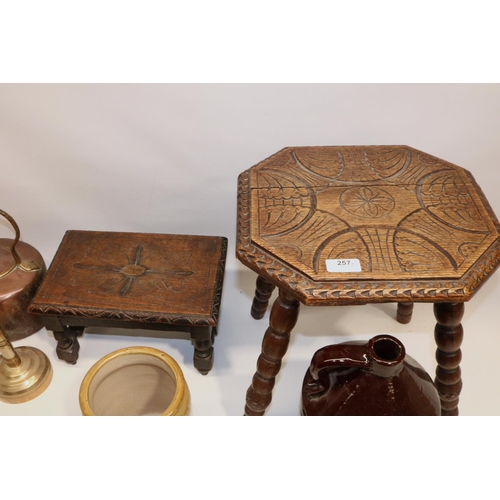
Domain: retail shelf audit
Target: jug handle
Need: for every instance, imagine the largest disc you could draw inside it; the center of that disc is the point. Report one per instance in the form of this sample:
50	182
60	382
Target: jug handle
332	357
382	355
339	356
29	266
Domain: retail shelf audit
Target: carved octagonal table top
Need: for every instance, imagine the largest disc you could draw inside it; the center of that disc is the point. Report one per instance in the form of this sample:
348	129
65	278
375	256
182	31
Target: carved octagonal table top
157	278
366	223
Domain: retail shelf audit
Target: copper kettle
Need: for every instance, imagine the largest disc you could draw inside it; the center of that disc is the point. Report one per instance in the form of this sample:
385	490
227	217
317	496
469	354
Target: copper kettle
22	269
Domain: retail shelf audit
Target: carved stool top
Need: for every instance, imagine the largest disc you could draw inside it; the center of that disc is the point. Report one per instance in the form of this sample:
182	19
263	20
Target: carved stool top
155	278
357	224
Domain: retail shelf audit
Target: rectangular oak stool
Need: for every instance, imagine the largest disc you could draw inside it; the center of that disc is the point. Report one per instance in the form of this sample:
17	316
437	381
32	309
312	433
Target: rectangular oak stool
363	224
160	282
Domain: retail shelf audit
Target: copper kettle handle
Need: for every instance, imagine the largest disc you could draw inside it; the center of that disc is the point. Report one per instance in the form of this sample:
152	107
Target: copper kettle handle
15	255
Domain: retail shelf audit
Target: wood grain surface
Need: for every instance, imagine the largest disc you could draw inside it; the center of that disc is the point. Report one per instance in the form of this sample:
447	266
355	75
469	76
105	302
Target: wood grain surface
136	277
419	226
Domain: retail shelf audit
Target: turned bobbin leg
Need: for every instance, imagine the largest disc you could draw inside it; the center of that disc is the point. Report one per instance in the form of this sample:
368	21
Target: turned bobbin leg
284	314
263	292
203	341
448	335
68	346
405	310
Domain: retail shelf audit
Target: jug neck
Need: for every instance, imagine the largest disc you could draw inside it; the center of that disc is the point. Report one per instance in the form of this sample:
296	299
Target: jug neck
387	354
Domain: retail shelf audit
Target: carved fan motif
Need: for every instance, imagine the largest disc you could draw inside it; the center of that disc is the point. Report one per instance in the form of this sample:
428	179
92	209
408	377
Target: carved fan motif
354	164
348	245
444	195
284	204
416	253
388	162
327	162
459	244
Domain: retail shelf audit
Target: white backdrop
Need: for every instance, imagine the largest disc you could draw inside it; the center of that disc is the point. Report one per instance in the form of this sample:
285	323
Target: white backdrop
165	158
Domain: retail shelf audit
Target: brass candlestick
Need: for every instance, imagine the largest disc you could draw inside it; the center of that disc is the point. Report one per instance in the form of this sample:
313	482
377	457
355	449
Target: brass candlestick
25	372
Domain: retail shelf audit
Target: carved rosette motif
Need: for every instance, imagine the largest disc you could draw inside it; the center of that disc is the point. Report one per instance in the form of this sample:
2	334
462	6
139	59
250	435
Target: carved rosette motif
369	202
446	224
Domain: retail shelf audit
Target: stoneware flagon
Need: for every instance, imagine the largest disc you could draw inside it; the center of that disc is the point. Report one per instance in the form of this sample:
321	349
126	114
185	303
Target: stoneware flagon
22	269
135	381
368	378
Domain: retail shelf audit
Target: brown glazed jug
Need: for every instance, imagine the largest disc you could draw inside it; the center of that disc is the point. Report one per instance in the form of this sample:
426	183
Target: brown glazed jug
368	378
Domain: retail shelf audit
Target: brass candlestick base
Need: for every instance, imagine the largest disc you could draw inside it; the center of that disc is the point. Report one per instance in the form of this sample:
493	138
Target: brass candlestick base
25	372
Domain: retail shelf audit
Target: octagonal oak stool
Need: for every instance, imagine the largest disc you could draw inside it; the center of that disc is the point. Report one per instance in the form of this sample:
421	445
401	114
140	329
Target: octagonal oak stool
363	224
146	281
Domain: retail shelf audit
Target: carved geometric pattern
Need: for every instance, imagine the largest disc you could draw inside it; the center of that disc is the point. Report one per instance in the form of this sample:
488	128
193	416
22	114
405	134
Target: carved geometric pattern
149	278
148	273
420	227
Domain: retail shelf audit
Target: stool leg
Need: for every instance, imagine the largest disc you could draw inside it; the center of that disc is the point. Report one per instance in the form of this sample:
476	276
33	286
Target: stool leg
448	335
405	311
284	314
203	340
68	346
263	292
